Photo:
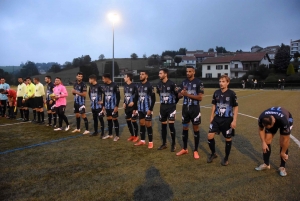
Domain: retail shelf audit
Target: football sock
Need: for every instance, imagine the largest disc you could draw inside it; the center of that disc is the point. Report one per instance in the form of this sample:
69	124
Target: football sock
34	114
142	132
86	123
282	162
227	149
173	132
135	128
95	118
196	139
42	116
266	156
116	124
185	134
129	125
102	125
49	118
150	135
164	133
21	113
39	116
78	122
211	144
110	126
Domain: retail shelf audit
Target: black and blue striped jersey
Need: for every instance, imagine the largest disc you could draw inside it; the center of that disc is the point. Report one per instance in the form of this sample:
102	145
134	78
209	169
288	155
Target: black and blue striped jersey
49	90
224	102
193	87
283	118
146	98
111	97
95	94
130	94
167	92
79	87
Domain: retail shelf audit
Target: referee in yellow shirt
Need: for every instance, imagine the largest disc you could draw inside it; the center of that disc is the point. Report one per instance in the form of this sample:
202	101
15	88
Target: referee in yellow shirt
20	94
28	99
39	100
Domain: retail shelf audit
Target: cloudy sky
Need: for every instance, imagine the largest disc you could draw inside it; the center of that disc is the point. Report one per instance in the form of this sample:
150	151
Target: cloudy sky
60	30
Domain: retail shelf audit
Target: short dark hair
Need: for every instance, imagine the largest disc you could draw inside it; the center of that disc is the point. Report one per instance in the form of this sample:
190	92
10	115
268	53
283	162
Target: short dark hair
93	76
36	78
80	73
165	70
106	75
2	78
190	67
48	76
267	120
130	75
28	78
58	78
20	77
144	71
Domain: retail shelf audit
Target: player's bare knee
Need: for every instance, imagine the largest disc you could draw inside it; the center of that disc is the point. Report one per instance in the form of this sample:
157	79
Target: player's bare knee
210	136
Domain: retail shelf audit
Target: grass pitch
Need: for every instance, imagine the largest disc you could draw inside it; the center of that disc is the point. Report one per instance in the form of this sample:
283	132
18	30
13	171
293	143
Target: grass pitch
67	166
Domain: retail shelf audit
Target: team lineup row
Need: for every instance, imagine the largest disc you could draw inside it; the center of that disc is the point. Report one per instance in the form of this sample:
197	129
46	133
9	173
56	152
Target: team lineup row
139	100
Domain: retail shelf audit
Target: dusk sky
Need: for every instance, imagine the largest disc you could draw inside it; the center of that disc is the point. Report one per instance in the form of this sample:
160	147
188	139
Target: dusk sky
60	30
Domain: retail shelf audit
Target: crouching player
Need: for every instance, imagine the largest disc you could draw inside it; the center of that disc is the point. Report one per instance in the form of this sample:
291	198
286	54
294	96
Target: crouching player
269	122
12	96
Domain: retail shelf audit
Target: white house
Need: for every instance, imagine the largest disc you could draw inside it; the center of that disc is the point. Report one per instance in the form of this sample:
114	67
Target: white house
188	61
295	47
234	66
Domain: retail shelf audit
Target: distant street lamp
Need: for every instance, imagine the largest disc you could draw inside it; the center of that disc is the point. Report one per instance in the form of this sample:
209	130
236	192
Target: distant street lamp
113	17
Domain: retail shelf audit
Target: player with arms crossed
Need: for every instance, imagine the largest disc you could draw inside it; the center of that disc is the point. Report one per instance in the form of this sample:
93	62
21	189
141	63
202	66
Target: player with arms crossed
269	122
111	102
130	106
50	102
79	92
96	94
223	118
168	100
146	101
192	91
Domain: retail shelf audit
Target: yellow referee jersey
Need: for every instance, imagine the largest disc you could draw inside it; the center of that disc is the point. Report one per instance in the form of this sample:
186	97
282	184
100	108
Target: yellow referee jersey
30	90
39	90
21	91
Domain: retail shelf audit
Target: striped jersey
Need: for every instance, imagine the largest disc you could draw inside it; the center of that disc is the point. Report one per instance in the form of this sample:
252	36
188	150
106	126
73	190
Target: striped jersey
95	94
167	92
193	87
111	95
146	99
49	90
79	87
130	94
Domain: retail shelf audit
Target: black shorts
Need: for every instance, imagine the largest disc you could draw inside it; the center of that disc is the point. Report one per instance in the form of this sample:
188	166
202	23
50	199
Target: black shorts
98	112
283	131
143	115
50	106
191	113
167	112
29	103
38	102
129	113
79	108
20	102
222	124
110	113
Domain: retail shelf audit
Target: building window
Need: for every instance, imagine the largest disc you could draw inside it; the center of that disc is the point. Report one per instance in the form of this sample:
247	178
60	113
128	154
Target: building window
219	67
208	75
236	74
236	65
187	61
226	67
219	75
208	67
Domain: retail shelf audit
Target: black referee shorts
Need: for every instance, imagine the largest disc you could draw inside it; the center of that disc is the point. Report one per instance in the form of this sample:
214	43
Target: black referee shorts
20	102
38	102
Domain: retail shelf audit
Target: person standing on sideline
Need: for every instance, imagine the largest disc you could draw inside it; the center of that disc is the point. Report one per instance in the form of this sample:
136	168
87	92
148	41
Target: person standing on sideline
146	101
3	97
111	102
50	102
223	118
28	100
61	95
166	90
96	94
255	83
269	122
130	106
192	91
282	84
243	84
39	100
21	90
79	91
12	96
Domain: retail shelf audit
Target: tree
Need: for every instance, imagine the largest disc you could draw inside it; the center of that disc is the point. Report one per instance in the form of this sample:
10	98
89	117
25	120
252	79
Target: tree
211	50
154	60
239	50
67	65
88	70
55	68
77	62
108	68
221	49
29	69
182	51
177	60
86	59
134	56
101	57
290	70
282	58
144	56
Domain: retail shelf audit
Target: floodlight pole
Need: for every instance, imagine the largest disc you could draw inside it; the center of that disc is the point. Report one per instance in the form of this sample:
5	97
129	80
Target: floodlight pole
113	61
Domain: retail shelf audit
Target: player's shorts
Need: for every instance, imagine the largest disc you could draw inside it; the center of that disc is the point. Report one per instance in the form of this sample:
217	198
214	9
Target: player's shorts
283	131
49	106
98	112
129	113
167	112
222	124
143	115
79	108
20	102
29	103
191	113
111	113
3	102
38	102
